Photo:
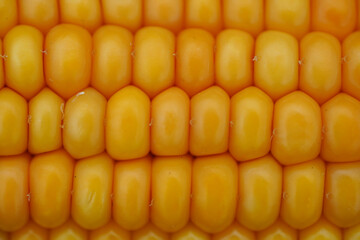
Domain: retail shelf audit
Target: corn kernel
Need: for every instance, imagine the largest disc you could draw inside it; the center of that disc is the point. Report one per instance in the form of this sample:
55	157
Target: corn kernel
322	229
68	231
31	231
8	16
279	231
110	231
233	65
235	232
251	121
150	232
91	199
190	232
352	233
260	185
132	193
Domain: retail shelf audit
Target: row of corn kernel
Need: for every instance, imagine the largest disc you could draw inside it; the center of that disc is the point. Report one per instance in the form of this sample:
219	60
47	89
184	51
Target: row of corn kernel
154	60
296	17
52	186
249	125
279	230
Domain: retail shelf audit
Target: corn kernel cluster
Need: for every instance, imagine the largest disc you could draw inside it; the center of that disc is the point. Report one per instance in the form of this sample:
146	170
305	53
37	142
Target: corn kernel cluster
179	119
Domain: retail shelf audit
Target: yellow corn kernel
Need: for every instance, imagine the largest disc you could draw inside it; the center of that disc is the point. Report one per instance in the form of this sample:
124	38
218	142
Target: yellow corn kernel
214	192
303	191
127	124
67	59
251	122
322	229
13	123
337	17
68	231
245	15
233	64
154	61
2	77
150	232
91	199
260	185
351	64
110	231
278	231
235	232
276	63
342	194
45	116
210	113
125	13
164	13
352	233
8	16
320	71
112	64
190	232
51	177
288	16
131	191
84	131
14	187
24	62
194	60
170	112
297	129
341	124
42	14
31	231
170	190
86	13
205	14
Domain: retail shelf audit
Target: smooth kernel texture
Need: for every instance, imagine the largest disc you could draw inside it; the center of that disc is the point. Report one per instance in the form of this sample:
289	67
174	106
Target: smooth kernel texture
260	186
320	69
170	192
131	193
91	200
110	231
86	13
13	123
125	13
205	14
31	231
8	16
341	123
303	190
276	63
24	63
127	124
150	231
297	129
194	60
235	232
245	15
288	16
68	231
322	229
42	14
279	231
251	122
154	62
352	233
214	192
351	65
2	75
190	232
233	64
209	130
51	177
164	13
84	130
170	115
67	59
112	64
14	187
342	194
337	17
45	116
